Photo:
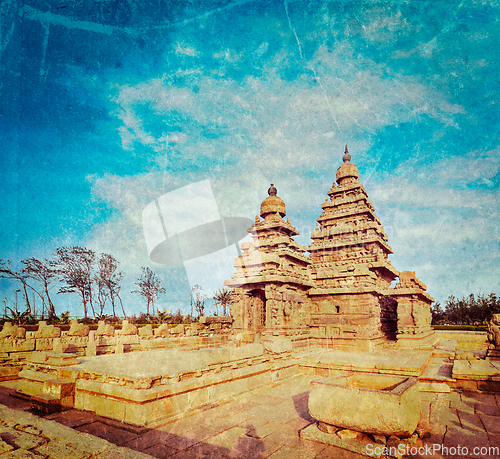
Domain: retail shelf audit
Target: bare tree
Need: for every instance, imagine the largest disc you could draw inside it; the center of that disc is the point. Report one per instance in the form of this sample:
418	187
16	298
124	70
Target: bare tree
75	267
108	280
6	272
150	288
45	273
198	299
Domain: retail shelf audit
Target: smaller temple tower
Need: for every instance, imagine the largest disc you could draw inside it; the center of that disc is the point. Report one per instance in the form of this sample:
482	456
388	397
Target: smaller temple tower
413	311
272	279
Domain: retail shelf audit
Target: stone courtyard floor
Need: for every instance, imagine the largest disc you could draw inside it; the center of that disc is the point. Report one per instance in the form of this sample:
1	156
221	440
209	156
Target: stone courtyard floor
264	424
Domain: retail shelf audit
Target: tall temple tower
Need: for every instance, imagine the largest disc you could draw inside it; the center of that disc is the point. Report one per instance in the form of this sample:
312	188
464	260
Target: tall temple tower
350	267
272	277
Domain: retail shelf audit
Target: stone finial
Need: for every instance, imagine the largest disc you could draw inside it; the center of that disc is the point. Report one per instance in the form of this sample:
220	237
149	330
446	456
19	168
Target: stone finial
272	191
347	157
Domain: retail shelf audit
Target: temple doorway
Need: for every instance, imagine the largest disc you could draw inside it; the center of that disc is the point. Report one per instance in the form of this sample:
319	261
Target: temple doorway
258	310
388	317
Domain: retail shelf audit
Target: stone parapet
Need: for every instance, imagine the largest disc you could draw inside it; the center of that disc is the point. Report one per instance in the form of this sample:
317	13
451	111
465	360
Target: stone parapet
176	382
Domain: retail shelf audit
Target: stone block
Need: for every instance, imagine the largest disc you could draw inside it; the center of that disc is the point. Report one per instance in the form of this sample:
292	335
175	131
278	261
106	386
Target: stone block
367	402
31	382
44	344
246	352
162	330
434	387
91	349
128	339
59	388
17	345
278	345
362	445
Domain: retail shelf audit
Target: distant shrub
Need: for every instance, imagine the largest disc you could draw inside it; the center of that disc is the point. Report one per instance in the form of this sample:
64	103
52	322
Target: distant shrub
461	327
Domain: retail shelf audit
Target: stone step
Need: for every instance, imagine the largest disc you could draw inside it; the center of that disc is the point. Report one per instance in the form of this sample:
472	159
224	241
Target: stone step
434	387
59	388
437	371
46	403
445	349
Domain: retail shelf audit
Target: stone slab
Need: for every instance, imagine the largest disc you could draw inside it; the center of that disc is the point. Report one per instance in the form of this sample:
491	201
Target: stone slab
476	370
409	363
437	371
161	362
359	446
434	387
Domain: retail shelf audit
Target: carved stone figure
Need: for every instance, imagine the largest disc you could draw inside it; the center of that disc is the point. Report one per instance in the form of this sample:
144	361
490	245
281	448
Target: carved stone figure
494	330
78	329
12	331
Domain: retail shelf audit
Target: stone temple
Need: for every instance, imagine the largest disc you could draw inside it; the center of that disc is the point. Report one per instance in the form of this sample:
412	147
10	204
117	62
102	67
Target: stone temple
340	295
328	346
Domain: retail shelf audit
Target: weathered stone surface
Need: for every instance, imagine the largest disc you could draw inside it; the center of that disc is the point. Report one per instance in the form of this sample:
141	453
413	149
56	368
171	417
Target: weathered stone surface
104	329
147	330
363	445
17	345
207	320
4	447
47	331
494	338
12	331
78	329
367	402
162	330
245	352
178	329
346	434
278	345
482	370
44	344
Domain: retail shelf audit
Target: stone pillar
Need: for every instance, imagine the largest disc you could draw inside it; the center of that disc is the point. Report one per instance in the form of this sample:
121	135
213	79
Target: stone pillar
91	350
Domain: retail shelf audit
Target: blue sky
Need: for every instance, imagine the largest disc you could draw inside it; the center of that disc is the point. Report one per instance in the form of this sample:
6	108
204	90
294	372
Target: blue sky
106	106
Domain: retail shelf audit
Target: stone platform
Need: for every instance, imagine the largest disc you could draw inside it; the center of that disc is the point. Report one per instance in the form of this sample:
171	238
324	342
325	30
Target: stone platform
406	363
477	375
150	388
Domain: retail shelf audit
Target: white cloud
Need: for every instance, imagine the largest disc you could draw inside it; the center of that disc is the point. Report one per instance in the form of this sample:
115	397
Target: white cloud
244	135
444	226
270	123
